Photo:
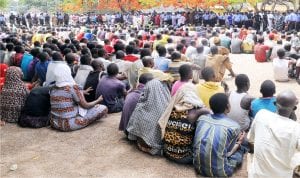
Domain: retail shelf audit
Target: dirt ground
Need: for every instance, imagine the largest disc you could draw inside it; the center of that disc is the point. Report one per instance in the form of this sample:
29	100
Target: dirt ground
100	150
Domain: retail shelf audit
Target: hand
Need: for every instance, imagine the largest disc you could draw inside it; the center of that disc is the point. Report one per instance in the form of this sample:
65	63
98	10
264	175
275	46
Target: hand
100	98
87	91
241	137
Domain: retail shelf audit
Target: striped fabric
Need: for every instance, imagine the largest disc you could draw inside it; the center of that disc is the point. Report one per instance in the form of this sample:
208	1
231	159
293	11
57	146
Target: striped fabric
64	101
215	136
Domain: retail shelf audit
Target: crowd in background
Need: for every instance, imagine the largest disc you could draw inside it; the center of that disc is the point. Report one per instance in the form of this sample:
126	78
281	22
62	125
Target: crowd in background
260	21
167	79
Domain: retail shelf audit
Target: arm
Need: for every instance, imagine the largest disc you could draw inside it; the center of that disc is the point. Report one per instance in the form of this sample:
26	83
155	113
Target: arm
83	103
237	144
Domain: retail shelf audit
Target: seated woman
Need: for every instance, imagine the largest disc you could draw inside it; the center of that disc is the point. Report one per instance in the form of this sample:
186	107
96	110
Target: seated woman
132	99
143	123
178	124
13	95
112	90
35	113
69	109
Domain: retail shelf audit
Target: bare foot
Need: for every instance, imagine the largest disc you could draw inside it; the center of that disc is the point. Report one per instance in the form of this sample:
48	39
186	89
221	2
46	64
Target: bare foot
2	123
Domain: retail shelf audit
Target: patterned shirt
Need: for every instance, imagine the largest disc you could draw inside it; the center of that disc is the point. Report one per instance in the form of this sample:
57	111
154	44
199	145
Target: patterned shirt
179	136
215	136
64	102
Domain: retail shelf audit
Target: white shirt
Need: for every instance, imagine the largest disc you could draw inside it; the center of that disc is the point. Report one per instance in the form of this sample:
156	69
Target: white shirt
281	69
104	61
82	74
276	145
190	51
237	113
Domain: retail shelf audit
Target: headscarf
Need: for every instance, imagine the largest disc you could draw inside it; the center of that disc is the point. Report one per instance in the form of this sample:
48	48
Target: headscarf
63	76
13	95
186	98
143	122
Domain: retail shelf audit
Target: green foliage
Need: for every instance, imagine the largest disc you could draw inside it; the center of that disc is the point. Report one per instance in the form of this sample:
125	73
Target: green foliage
42	5
3	4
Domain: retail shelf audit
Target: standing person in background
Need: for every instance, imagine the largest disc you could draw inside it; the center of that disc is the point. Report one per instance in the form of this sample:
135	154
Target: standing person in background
257	21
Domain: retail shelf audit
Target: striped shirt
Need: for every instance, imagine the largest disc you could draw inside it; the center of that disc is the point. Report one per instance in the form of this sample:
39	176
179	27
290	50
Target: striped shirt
64	102
215	136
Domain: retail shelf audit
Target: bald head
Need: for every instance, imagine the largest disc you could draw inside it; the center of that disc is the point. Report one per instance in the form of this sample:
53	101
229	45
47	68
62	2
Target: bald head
148	61
97	65
287	99
286	102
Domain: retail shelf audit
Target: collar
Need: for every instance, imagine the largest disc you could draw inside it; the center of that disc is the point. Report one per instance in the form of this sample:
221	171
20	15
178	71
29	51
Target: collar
219	116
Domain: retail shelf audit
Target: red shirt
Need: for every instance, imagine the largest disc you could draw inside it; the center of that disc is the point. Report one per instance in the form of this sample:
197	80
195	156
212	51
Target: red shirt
130	58
109	49
260	52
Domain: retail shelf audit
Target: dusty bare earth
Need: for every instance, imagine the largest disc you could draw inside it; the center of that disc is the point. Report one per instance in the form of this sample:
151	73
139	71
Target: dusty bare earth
100	150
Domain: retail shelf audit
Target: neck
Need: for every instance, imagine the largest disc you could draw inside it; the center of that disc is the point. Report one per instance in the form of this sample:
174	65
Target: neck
241	90
284	113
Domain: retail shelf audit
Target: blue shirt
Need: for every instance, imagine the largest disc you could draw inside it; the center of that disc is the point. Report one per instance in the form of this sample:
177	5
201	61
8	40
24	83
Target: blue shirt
41	70
205	16
88	36
263	103
162	63
215	136
27	58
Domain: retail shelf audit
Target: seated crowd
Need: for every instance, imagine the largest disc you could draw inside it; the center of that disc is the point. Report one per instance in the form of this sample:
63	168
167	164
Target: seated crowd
170	89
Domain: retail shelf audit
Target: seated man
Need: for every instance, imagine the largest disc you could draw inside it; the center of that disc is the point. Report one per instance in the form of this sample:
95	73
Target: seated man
237	113
260	51
186	75
267	89
276	140
219	63
209	87
112	90
161	62
92	80
217	141
84	69
175	64
132	99
281	66
148	63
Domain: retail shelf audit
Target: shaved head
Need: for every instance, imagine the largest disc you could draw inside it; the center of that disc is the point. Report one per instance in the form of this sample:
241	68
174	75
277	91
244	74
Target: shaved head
286	102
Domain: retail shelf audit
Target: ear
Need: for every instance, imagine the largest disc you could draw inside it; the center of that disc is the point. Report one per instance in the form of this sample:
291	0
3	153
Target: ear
228	107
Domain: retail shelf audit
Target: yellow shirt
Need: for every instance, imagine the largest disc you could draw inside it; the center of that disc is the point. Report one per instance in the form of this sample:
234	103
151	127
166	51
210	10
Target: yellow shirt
207	90
157	74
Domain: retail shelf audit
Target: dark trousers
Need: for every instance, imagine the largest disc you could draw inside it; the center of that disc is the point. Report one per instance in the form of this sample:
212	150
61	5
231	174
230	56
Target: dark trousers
292	26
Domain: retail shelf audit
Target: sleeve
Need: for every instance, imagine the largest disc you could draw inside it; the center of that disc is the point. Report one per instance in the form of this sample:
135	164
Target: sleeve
227	64
296	157
251	133
76	94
